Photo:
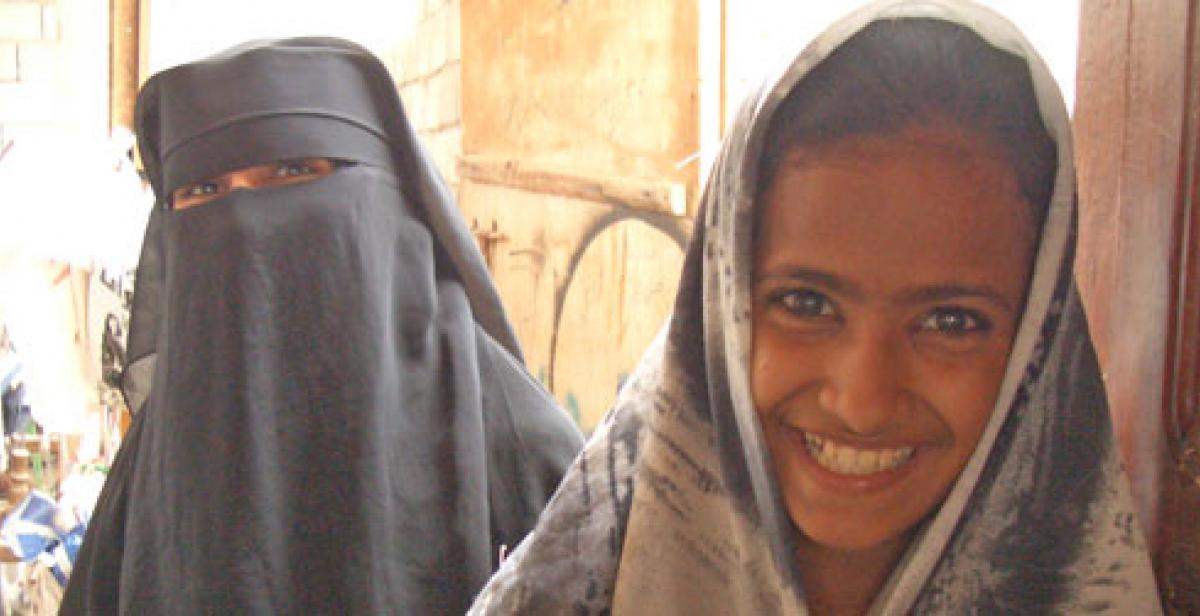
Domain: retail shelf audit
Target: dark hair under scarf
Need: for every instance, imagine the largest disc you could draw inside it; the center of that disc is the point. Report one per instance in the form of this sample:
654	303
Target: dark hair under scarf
901	72
333	416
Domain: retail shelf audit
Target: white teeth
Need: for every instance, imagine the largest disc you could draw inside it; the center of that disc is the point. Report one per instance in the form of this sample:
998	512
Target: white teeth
867	458
853	461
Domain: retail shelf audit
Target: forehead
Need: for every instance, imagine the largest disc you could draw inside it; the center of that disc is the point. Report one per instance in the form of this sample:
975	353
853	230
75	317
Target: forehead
932	197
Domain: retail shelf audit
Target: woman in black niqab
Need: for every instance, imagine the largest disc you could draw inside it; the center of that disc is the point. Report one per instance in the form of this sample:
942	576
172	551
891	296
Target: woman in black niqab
333	415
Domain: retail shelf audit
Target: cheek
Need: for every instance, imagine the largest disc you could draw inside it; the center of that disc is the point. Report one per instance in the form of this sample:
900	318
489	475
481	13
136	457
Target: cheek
766	382
779	368
965	395
967	415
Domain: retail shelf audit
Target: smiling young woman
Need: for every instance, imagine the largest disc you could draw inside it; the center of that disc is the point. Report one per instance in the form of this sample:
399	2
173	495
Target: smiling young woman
876	393
894	245
877	354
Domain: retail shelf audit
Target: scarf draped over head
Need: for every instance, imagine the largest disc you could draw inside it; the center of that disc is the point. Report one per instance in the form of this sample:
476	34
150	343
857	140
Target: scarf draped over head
332	413
673	508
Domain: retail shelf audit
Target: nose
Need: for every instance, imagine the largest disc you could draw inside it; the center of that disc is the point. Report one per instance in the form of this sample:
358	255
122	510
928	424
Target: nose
862	385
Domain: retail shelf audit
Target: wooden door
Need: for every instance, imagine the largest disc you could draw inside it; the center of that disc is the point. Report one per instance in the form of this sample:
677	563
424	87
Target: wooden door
578	171
1136	134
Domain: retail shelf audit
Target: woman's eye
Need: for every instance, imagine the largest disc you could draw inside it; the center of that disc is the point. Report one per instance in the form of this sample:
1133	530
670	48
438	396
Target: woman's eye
804	303
195	193
293	169
200	189
955	322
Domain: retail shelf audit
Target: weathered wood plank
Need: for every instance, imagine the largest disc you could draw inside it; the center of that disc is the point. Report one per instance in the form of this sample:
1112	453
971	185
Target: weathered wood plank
654	195
123	61
1180	562
1132	136
586	285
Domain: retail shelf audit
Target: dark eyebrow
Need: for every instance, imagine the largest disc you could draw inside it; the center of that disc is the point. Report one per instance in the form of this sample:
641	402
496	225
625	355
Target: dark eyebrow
816	277
924	294
945	292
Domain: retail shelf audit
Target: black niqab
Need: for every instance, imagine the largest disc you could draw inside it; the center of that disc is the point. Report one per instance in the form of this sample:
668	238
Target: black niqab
336	418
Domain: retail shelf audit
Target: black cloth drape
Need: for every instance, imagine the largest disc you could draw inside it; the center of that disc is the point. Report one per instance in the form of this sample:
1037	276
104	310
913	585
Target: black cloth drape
334	416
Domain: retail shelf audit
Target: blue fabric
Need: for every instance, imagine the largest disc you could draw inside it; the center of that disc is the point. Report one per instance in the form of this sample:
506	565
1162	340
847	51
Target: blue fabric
59	555
29	528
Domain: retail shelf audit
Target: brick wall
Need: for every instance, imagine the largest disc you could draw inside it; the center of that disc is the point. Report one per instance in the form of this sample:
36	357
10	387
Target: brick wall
53	67
428	70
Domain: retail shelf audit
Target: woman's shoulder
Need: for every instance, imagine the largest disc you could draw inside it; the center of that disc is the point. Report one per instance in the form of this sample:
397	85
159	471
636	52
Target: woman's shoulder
569	562
519	412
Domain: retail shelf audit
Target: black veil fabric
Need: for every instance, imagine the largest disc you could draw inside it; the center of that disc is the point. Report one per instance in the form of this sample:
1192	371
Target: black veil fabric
332	412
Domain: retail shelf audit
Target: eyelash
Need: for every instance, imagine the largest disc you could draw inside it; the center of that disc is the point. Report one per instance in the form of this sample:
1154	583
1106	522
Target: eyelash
949	321
804	303
284	170
293	168
955	322
200	189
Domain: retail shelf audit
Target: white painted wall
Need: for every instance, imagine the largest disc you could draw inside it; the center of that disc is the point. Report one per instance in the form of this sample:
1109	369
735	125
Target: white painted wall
55	175
54	69
185	30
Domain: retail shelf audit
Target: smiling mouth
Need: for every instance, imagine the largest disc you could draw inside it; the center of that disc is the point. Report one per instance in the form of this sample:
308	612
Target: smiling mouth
852	460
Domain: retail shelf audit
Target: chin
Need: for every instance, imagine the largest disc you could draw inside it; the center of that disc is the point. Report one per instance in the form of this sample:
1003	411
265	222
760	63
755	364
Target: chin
843	537
843	543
